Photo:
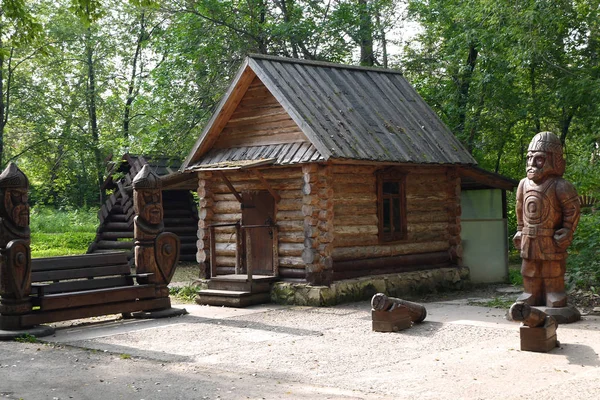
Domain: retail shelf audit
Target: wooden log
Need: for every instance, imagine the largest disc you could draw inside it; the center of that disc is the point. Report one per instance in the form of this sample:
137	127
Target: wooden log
353	169
353	240
355	230
355	198
530	316
354	220
291	262
289	204
428	227
364	252
400	261
349	188
225	207
290	216
355	209
291	226
225	218
291	249
292	273
424	216
381	302
291	237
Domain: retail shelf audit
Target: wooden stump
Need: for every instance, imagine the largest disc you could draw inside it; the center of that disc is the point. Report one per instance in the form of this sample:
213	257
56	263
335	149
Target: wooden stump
391	321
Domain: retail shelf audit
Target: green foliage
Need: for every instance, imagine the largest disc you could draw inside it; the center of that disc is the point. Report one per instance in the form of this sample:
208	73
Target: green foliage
57	233
185	294
47	220
514	276
26	338
125	356
496	302
583	264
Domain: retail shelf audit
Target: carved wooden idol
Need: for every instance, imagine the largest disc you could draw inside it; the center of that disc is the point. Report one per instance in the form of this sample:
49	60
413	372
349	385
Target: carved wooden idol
547	215
15	260
156	251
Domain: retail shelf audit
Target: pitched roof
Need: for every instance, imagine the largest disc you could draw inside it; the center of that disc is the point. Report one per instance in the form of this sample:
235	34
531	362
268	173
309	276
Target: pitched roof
346	112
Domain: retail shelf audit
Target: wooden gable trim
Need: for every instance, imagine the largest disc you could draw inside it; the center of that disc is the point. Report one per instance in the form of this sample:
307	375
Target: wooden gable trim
293	113
225	109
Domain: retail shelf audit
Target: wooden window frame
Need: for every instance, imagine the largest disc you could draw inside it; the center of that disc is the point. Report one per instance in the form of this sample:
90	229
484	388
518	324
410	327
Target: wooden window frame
397	233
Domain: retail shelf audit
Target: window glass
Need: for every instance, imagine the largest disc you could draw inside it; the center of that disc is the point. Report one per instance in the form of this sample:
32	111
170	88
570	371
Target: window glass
390	187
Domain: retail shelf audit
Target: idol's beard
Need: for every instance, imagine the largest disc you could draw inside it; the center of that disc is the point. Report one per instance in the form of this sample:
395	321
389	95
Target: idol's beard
154	214
20	216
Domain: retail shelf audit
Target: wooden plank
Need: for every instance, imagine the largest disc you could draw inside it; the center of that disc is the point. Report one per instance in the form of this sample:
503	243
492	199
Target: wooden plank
81	272
93	297
86	284
37	317
68	262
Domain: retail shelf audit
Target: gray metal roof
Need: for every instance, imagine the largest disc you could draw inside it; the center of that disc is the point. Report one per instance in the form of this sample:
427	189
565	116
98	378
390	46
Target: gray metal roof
348	112
360	113
282	154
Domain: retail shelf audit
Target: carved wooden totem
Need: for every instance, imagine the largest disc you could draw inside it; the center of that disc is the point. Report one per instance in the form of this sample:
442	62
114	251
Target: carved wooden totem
390	314
547	215
156	251
15	253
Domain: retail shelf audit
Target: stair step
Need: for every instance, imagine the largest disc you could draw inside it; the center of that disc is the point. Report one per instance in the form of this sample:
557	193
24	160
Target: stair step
259	284
230	298
113	244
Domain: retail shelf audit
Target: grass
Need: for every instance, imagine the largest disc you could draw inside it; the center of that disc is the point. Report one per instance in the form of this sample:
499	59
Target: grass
185	294
61	232
496	302
26	338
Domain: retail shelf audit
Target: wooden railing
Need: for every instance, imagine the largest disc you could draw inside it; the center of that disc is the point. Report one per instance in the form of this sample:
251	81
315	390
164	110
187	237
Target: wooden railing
243	254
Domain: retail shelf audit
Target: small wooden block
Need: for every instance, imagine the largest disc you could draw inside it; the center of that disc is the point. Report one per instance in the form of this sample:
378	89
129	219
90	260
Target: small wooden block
541	339
391	321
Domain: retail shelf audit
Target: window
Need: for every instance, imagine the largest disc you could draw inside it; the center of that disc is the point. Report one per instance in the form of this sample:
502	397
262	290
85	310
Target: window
391	205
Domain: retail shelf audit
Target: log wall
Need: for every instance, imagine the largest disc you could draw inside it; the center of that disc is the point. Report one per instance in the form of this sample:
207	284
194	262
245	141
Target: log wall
433	221
327	220
258	120
219	206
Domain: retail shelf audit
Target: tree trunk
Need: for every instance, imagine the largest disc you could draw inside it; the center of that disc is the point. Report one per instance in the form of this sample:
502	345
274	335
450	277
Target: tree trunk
365	33
463	88
132	81
93	119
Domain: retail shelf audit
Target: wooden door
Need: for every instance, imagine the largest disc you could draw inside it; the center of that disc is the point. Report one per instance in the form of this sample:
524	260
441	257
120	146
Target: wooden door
258	208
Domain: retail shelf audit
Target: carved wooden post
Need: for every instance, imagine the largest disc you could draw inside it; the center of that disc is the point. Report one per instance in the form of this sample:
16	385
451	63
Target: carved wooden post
15	253
156	251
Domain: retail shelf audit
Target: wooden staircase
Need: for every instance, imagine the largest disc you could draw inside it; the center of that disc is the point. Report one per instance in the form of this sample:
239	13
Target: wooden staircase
237	290
115	230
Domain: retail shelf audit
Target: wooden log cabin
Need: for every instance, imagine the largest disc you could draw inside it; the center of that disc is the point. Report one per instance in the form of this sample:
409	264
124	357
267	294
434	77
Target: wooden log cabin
335	171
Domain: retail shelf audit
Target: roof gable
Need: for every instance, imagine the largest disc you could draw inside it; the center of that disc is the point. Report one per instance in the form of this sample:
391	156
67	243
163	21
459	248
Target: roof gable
345	112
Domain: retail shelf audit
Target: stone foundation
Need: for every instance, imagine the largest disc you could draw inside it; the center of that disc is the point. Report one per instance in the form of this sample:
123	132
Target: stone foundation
394	285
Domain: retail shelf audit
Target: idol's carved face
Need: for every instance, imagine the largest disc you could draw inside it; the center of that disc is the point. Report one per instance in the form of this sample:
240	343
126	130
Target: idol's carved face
16	206
151	207
538	166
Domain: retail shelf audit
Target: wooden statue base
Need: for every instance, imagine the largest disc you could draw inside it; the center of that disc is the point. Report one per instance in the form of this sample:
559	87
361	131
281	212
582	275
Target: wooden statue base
395	320
541	339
